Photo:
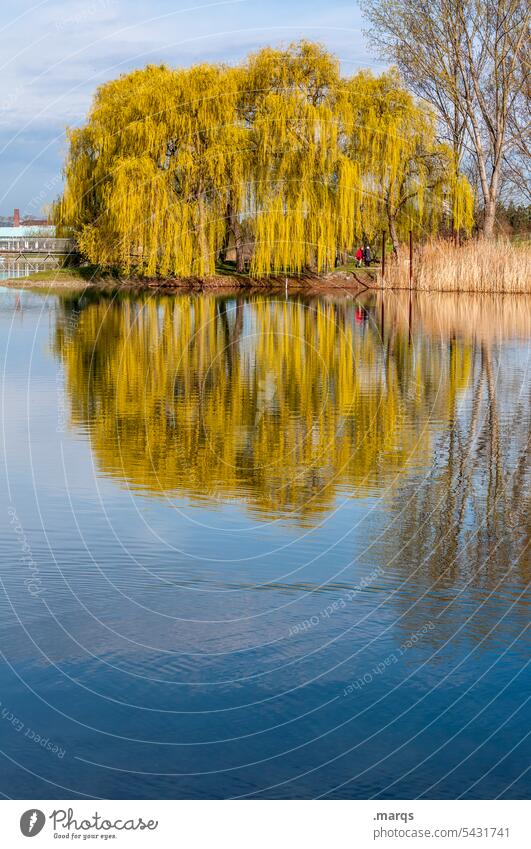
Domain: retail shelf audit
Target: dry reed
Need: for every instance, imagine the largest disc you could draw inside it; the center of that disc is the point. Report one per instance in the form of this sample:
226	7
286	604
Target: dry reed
477	266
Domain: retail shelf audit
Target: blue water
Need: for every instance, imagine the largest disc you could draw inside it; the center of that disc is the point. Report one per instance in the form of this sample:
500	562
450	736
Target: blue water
232	567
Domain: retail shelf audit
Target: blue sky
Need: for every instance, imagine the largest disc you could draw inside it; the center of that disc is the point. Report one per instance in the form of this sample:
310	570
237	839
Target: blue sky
55	53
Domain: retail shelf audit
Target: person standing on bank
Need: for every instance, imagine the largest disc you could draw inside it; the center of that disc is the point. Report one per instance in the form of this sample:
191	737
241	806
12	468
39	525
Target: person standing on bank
367	255
359	257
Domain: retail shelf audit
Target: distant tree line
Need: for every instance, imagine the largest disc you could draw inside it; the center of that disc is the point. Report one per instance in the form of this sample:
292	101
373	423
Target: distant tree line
514	219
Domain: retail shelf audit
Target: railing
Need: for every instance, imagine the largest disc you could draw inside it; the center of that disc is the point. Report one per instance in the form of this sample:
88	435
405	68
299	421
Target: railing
36	244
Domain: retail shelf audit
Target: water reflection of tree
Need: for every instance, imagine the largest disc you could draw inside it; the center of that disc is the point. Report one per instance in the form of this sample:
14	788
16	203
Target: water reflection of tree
465	521
282	404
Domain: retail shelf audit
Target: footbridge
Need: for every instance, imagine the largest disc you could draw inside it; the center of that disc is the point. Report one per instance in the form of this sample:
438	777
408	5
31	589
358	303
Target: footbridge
46	249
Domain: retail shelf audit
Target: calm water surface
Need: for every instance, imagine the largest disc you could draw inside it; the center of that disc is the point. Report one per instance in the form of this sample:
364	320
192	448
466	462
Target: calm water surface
264	547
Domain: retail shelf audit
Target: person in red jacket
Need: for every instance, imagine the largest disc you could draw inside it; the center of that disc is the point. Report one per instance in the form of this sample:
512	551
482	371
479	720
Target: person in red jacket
359	257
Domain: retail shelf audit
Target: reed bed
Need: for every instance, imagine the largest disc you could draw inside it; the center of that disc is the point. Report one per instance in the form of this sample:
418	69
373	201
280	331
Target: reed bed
477	266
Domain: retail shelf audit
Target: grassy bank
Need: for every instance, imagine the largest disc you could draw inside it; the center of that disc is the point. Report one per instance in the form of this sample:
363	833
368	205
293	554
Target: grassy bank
477	266
344	279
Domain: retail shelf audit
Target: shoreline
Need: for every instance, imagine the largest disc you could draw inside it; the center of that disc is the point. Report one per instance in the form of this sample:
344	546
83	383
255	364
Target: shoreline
334	282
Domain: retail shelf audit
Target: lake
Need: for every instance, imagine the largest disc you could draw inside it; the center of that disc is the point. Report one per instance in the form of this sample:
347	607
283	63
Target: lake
264	547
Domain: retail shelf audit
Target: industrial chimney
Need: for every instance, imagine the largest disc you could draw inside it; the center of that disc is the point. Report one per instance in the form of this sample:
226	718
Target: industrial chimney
16	218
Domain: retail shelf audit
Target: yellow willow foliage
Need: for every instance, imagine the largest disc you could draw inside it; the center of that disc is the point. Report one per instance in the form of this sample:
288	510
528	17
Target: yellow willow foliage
280	156
405	169
462	204
280	405
133	214
304	192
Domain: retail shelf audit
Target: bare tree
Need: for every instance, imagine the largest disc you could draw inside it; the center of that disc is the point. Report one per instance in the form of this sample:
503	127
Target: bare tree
469	60
517	168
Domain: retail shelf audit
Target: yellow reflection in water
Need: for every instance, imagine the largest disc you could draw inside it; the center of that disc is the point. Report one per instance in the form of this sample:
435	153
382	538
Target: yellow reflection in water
282	404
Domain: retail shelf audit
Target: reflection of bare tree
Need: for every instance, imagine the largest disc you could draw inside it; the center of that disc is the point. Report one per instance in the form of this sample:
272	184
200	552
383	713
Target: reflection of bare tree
466	521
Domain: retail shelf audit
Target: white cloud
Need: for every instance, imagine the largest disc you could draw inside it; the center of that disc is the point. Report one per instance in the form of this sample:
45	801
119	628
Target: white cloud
55	54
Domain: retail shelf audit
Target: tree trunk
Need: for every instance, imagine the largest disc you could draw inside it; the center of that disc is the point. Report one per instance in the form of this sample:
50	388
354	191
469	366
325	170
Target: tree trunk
491	200
393	234
237	231
391	221
488	221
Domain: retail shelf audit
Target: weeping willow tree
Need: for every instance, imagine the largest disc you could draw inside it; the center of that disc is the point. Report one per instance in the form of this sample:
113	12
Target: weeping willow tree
306	192
410	179
280	158
150	176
